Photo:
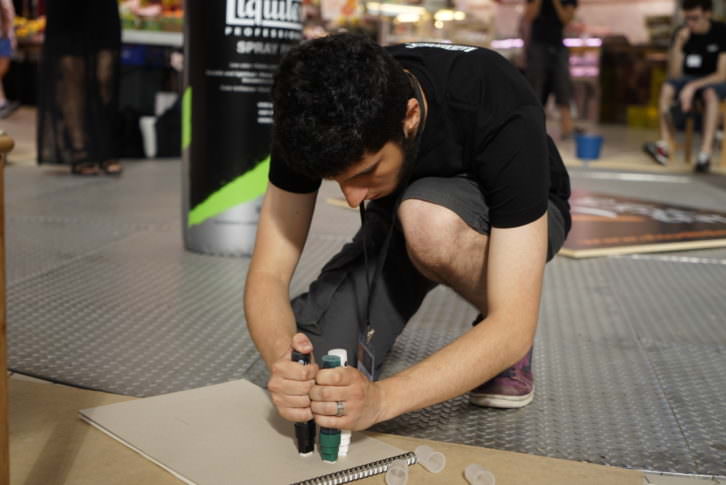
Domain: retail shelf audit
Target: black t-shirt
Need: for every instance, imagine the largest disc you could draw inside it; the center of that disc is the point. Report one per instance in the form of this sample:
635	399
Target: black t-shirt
483	120
701	51
547	26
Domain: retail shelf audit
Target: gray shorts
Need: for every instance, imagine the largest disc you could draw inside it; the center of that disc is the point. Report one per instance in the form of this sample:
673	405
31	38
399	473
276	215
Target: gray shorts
330	311
679	83
548	71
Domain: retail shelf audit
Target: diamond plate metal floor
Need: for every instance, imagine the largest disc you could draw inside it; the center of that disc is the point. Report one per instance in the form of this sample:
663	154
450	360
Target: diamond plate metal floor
630	356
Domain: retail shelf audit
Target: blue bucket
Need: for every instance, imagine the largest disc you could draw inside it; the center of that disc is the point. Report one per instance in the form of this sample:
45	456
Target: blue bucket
588	146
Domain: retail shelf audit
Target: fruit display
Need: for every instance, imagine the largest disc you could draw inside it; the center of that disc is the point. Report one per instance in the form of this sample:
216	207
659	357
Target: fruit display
165	15
29	28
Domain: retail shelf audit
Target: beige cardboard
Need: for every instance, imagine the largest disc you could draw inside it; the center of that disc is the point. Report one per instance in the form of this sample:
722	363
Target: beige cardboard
49	444
223	434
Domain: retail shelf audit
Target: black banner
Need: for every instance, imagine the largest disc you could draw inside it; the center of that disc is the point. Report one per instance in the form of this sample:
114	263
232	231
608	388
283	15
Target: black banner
233	48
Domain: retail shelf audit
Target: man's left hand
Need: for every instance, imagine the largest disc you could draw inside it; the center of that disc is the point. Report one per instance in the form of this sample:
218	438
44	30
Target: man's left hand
361	399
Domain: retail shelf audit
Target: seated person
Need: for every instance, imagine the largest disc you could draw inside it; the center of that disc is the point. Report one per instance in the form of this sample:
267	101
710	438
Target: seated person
698	70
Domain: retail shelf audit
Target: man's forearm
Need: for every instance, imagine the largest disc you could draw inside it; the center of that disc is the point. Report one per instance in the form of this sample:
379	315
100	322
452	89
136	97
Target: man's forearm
714	78
270	320
472	359
675	55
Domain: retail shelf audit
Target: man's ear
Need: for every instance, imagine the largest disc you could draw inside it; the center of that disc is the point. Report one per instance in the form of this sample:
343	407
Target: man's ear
413	117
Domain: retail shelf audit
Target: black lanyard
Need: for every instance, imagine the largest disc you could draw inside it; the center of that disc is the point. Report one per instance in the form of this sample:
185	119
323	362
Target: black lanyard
365	325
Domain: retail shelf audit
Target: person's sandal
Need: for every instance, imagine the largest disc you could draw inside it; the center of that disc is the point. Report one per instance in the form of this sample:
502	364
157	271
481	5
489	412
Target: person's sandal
84	169
112	167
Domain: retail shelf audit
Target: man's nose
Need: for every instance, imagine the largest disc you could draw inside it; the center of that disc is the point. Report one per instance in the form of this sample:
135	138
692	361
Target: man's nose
354	195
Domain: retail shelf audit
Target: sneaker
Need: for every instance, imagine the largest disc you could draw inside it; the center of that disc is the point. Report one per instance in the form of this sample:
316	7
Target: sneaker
513	388
658	151
7	108
703	163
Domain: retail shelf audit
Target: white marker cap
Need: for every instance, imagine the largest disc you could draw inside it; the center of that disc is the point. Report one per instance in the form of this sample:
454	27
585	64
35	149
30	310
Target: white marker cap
476	474
344	446
433	461
345	436
397	473
342	353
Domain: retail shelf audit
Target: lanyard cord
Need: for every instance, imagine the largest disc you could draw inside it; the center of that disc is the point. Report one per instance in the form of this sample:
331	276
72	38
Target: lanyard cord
365	325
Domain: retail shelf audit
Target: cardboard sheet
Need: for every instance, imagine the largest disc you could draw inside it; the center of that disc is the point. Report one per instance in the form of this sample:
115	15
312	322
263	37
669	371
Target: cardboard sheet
223	434
50	444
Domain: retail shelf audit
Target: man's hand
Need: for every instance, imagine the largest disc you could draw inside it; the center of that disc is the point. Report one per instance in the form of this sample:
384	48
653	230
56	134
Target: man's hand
290	382
682	36
361	399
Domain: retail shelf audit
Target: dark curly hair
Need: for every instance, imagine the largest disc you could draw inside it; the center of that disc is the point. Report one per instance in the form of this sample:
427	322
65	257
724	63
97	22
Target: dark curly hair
705	5
335	99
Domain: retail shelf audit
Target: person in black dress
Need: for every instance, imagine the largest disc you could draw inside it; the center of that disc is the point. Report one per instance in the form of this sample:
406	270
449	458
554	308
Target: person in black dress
79	86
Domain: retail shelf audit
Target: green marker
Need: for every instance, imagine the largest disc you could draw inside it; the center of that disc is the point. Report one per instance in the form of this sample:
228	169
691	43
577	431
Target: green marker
329	437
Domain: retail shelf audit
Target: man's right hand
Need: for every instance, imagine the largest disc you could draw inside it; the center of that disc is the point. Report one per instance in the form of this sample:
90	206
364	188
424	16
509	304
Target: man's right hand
290	383
682	37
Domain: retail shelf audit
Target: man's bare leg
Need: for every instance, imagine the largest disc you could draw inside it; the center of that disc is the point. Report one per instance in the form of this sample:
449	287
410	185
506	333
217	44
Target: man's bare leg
667	134
446	250
566	128
710	119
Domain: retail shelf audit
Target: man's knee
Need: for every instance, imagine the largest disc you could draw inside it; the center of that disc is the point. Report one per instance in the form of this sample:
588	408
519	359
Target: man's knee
431	232
710	96
667	92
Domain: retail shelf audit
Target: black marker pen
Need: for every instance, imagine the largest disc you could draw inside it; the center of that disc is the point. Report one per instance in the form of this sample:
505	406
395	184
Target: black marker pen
304	432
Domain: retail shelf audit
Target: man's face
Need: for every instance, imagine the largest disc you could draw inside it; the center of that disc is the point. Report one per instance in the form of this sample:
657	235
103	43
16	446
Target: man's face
378	174
697	20
374	176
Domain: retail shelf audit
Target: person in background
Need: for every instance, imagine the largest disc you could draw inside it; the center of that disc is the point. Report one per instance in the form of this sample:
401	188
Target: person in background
548	60
7	46
697	72
78	107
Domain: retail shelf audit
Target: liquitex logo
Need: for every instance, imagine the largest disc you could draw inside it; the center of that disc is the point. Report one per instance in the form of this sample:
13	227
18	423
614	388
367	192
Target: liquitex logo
281	14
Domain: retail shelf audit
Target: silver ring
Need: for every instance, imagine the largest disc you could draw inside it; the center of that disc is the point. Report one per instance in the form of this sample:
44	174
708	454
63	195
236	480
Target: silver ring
339	408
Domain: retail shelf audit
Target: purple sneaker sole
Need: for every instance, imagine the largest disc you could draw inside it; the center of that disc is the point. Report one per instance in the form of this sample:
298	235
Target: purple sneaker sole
501	401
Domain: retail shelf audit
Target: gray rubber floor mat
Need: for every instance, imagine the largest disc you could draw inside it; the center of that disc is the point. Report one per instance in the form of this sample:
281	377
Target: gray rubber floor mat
608	386
170	321
29	252
630	355
26	184
143	195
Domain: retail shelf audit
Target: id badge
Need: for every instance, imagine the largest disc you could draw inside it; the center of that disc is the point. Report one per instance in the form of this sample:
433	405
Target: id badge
693	60
366	360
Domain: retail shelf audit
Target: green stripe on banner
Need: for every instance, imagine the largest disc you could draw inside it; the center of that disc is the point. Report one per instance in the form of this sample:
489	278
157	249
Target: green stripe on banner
244	188
187	118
